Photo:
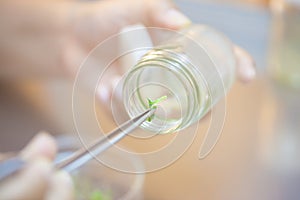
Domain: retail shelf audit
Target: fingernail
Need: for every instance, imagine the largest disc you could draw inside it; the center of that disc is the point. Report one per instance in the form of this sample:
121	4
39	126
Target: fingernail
63	178
250	72
37	145
42	163
103	93
247	70
37	142
42	166
176	19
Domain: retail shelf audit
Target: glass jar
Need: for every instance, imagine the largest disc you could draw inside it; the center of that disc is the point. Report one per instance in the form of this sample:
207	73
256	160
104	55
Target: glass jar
111	175
284	47
194	68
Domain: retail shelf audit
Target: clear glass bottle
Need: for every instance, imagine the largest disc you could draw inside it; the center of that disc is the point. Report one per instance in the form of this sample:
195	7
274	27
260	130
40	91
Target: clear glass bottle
284	47
194	69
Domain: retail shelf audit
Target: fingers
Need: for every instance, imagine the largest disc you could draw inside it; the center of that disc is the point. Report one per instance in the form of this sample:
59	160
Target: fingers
61	187
94	21
38	180
31	183
42	145
245	65
157	13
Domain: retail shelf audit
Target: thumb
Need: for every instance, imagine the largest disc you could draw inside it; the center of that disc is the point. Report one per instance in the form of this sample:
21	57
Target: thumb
42	145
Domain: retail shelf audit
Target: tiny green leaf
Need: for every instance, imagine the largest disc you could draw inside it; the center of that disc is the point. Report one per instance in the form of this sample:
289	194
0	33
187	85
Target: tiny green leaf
99	195
152	104
96	195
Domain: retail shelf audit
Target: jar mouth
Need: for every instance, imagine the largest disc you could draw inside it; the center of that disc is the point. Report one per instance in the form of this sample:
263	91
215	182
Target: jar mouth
158	74
163	121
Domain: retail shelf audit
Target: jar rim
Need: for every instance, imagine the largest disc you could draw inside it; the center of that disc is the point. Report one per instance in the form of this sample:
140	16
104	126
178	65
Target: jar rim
180	67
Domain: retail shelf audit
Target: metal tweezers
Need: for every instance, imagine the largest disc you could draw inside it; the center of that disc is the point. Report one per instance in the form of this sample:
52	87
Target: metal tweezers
12	165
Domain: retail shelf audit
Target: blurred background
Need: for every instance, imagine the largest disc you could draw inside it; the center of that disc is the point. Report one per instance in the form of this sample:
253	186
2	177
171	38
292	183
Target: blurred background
257	156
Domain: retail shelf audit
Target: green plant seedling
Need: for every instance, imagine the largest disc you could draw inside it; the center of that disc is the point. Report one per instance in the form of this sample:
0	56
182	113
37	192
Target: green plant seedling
99	195
153	105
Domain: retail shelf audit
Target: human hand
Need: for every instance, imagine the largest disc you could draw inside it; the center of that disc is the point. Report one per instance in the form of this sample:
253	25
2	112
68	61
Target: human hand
38	180
96	22
52	38
162	14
